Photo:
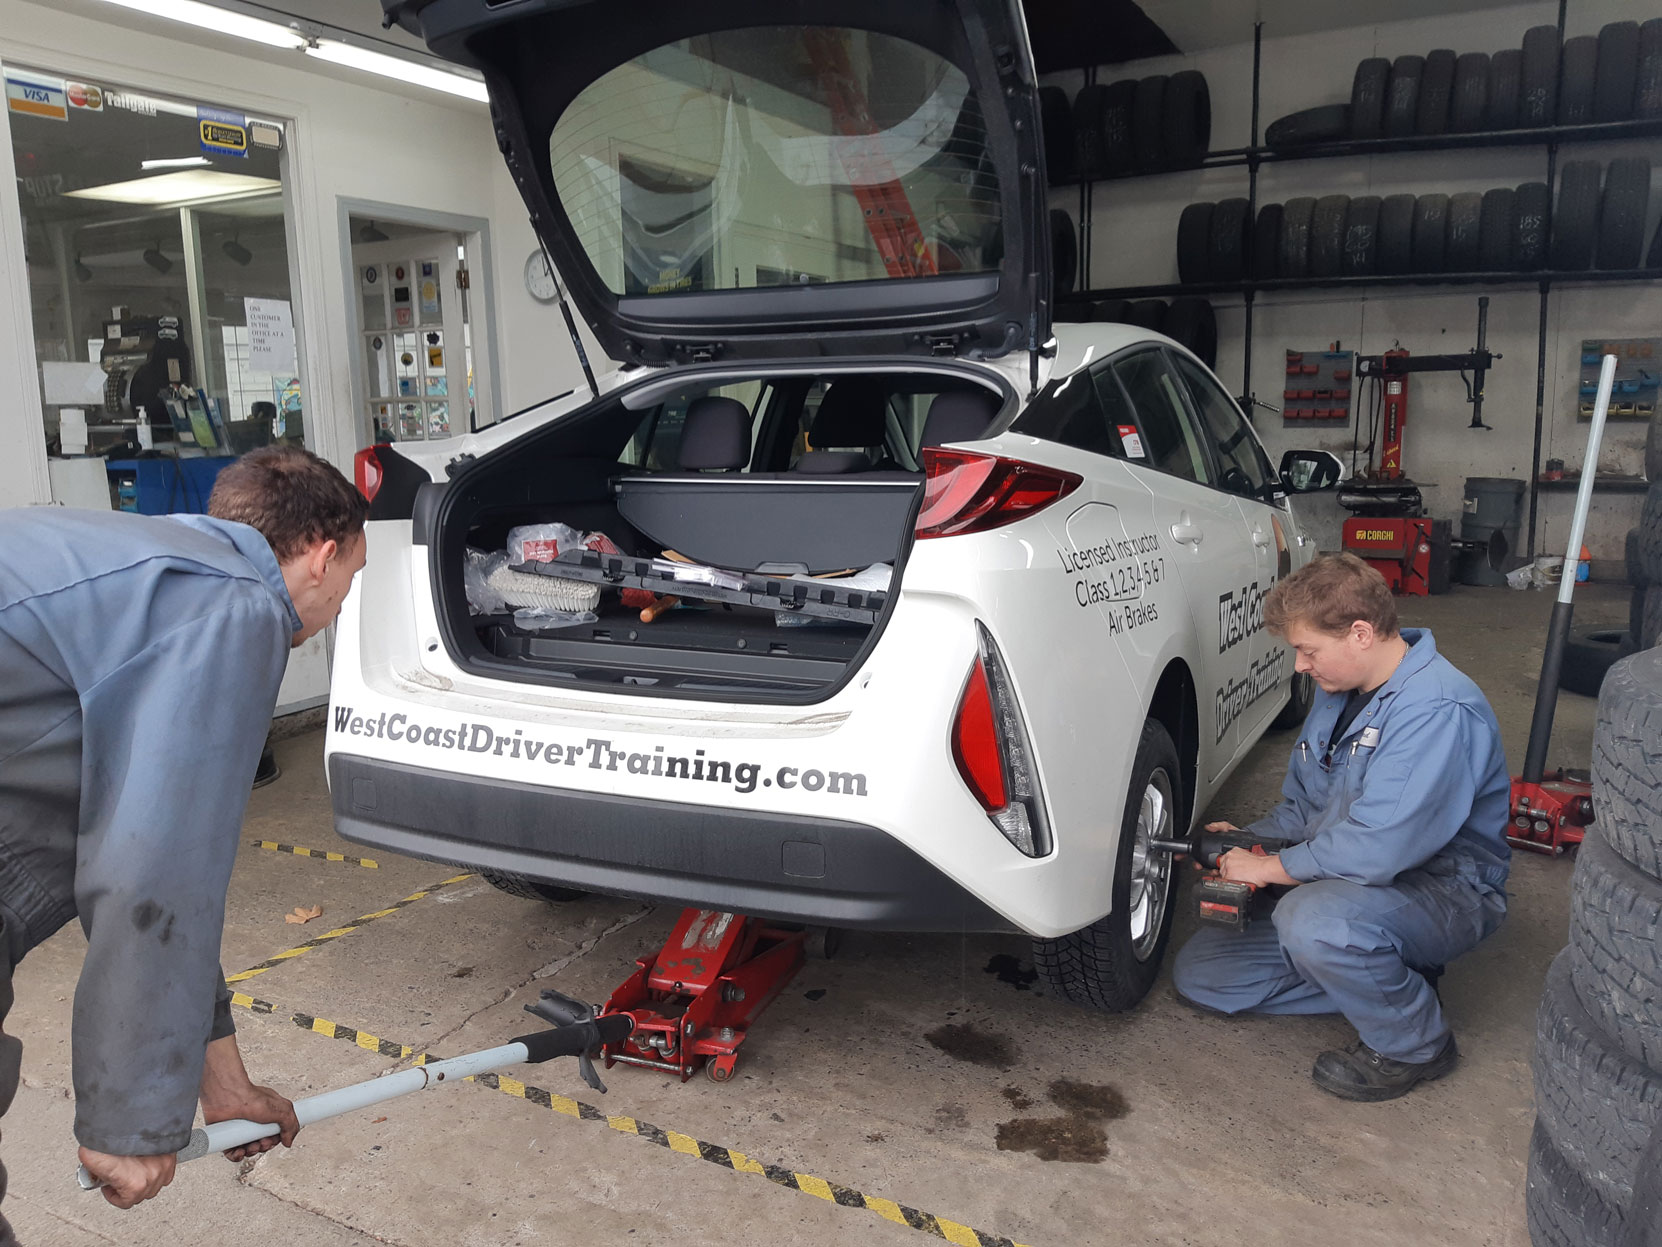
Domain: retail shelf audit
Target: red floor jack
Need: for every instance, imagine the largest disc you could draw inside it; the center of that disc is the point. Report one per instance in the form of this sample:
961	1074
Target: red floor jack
694	1000
1550	813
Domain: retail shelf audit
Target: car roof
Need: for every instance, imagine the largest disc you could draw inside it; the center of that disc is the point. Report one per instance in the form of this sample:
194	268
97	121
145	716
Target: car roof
1078	345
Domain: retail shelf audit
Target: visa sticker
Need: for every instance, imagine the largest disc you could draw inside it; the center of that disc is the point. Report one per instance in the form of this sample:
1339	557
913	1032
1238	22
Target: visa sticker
1133	443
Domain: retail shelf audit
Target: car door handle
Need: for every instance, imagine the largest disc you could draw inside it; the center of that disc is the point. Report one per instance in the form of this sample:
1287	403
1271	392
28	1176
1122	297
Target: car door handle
1187	534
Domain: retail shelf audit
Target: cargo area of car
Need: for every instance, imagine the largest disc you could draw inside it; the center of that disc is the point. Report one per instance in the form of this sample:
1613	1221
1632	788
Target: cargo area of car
735	538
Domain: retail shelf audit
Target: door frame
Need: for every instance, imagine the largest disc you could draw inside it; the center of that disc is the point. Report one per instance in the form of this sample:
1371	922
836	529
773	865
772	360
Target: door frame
482	291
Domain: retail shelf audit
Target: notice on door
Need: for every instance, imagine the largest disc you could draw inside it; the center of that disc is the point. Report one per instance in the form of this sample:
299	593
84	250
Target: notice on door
270	336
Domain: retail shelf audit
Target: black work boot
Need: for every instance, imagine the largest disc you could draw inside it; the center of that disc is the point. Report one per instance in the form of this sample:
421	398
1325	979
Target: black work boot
1360	1073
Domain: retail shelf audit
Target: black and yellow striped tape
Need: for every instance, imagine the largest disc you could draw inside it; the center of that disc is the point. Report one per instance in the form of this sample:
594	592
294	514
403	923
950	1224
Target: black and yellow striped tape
320	854
347	929
728	1158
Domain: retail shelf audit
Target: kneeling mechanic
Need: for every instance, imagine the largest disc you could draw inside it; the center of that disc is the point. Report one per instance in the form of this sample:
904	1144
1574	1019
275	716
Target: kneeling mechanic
1397	796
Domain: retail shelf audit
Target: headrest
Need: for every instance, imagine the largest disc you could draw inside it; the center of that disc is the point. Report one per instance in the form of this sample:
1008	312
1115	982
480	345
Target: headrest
959	416
850	414
716	434
832	462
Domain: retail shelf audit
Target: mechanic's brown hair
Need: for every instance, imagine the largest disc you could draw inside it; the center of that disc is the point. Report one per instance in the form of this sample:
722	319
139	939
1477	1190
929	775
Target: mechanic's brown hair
1329	594
294	498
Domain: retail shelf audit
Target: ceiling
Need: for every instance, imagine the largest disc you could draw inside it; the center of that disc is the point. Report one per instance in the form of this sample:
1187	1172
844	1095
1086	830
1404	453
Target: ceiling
1194	25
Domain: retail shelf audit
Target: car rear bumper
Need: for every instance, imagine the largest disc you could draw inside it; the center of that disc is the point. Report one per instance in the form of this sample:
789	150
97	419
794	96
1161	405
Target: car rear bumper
796	868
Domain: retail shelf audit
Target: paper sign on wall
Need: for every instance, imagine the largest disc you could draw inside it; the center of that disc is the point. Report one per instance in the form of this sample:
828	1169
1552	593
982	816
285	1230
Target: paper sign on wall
270	335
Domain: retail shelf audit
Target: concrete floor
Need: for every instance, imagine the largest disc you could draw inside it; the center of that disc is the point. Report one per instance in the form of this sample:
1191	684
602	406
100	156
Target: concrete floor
1209	1130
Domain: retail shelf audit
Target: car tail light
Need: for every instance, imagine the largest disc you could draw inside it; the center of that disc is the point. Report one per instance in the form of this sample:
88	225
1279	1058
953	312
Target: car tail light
964	492
367	472
994	755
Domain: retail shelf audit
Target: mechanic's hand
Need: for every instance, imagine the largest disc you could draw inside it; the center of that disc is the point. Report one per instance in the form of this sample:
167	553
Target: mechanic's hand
1258	869
129	1180
1221	827
228	1093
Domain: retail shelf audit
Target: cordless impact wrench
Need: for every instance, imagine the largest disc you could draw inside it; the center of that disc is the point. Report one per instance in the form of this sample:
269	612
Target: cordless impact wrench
1221	902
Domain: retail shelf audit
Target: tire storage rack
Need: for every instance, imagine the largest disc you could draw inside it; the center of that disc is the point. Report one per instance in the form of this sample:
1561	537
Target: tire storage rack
1563	249
1596	1150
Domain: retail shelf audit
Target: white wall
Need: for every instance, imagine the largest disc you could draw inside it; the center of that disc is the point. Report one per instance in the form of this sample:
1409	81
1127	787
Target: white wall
1135	222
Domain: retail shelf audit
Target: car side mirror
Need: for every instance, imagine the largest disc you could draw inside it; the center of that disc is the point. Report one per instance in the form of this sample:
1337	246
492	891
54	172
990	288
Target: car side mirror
1310	471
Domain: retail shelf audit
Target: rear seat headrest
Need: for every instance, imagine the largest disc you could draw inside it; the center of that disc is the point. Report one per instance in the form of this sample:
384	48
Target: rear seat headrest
959	416
716	434
850	414
832	462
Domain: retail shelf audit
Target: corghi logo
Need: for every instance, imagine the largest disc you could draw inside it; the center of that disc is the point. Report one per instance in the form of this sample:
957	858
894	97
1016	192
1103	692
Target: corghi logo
1240	615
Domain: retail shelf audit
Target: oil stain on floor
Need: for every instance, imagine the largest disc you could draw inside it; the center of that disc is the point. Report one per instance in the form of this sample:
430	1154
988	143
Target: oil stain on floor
966	1043
1078	1137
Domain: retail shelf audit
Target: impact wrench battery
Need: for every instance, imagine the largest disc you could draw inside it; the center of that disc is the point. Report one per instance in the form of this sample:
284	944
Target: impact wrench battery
1221	902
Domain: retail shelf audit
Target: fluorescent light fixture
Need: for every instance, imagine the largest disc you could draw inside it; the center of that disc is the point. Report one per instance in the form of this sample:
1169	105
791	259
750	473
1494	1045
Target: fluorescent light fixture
220	21
156	260
175	162
412	72
235	251
186	186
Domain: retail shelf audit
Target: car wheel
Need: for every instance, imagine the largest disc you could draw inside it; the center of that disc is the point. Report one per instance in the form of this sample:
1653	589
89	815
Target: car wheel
529	889
1112	963
1298	705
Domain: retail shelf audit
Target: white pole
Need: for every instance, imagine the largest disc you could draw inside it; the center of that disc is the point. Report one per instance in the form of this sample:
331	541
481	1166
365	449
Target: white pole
1589	469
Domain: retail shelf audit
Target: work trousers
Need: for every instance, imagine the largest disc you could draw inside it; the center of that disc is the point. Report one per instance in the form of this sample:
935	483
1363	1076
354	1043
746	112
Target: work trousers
1338	947
11	1059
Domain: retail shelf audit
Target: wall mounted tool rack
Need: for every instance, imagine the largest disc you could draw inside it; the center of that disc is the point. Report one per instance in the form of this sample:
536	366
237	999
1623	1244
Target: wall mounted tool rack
1254	157
819	599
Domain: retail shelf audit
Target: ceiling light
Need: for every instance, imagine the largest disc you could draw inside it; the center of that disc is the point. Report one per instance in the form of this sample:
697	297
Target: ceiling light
175	162
370	233
236	251
220	21
412	72
156	260
82	272
186	186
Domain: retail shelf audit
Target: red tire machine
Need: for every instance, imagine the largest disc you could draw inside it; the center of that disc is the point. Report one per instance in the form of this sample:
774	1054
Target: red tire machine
1388	527
1550	813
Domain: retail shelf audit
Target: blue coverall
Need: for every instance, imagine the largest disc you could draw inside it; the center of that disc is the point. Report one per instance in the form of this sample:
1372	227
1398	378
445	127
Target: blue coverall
1402	859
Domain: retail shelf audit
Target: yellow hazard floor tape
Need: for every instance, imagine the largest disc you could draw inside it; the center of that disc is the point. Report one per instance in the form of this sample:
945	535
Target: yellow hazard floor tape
320	854
728	1158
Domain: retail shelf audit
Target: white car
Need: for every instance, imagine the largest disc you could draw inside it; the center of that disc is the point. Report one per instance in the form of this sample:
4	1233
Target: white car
1051	647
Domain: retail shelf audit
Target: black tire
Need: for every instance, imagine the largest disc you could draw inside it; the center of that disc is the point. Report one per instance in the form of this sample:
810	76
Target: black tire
1187	119
1064	253
1229	238
1644	1215
1597	1106
1194	242
1430	233
1563	1210
1361	256
1056	125
1647	89
1505	89
1119	103
1431	115
1396	235
1307	126
1098	967
1653	257
1497	229
1627	760
1367	98
1649	635
1588	657
1148	122
1575	219
1327	235
1266	242
1578	80
1635	573
1538	104
1465	233
1299	701
1148	314
1653	440
1193	323
530	889
1621	239
1072	312
1402	95
1529	243
1470	106
1112	311
1615	922
1090	156
1294	257
1618	72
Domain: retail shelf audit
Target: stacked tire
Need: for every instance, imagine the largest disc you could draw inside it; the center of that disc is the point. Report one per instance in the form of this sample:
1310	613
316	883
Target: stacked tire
1190	321
1133	126
1644	565
1593	1157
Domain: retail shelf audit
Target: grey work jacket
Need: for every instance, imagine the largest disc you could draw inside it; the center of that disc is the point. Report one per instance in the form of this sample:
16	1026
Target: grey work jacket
139	665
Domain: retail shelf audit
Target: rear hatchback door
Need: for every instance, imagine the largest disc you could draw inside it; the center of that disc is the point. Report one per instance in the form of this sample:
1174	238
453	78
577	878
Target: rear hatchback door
755	178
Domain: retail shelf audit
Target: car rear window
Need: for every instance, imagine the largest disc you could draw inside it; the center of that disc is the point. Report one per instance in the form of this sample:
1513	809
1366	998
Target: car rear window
778	155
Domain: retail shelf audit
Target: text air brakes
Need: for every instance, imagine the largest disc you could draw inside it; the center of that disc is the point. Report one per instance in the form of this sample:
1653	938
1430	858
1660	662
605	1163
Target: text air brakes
994	755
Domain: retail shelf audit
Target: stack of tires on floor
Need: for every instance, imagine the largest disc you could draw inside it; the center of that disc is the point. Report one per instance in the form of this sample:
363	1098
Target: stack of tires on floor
1595	1158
